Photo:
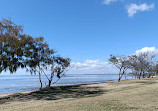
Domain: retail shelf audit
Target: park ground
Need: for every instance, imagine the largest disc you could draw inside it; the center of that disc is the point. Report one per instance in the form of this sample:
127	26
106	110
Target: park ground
128	95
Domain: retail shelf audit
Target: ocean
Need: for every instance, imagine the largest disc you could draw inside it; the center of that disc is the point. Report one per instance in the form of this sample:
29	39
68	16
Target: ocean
20	83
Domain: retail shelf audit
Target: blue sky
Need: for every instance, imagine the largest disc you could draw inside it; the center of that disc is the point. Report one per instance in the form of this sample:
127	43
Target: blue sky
88	29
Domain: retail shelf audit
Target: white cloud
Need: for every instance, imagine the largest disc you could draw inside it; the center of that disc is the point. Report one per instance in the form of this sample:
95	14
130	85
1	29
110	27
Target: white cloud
107	2
93	67
134	8
100	67
147	49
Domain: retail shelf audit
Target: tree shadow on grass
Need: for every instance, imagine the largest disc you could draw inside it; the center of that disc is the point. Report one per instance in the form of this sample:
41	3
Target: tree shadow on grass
55	93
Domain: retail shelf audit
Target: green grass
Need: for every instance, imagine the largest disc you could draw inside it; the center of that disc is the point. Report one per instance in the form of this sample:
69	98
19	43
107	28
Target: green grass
128	95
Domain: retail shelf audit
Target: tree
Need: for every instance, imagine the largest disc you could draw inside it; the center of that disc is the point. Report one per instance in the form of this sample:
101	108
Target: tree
40	57
44	61
142	63
12	46
58	67
18	50
121	62
155	68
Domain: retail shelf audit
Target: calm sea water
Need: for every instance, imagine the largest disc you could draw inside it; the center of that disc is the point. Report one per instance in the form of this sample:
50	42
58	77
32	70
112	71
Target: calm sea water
20	83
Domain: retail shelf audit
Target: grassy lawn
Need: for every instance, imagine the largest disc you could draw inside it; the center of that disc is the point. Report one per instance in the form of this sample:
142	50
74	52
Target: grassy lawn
129	95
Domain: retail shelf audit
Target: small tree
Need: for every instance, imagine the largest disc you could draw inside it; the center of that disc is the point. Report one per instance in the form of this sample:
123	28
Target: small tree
121	62
58	68
43	60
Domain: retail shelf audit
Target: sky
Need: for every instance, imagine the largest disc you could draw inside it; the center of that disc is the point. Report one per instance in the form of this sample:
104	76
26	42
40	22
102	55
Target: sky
88	31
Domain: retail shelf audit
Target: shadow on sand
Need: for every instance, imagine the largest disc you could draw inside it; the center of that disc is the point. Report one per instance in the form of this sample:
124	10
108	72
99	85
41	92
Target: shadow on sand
55	93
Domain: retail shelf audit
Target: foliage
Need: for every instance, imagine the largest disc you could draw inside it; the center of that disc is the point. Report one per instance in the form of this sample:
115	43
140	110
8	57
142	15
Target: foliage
121	62
18	50
141	64
12	46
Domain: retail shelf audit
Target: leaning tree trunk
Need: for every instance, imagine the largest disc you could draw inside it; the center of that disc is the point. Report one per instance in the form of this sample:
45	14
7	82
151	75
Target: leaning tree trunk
120	75
119	79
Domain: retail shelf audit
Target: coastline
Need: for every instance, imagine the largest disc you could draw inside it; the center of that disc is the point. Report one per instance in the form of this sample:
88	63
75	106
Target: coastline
30	83
135	95
27	92
99	83
96	83
30	91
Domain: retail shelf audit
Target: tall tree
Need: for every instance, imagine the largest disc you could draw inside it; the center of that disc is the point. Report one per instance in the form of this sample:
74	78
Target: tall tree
18	50
12	46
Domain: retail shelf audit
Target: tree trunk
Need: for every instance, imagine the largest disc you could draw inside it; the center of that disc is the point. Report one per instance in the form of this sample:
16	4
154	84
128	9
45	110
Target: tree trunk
139	77
49	83
41	84
40	80
120	75
119	79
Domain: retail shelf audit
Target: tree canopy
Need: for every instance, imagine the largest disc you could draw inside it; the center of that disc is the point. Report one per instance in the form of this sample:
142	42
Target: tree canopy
19	50
141	64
